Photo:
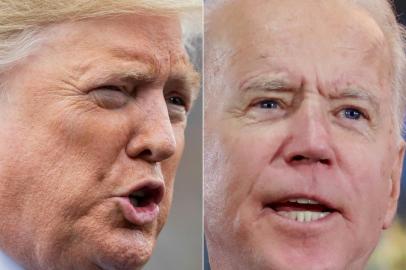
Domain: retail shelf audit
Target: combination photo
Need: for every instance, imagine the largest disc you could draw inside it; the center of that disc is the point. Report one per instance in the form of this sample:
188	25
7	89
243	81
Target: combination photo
202	134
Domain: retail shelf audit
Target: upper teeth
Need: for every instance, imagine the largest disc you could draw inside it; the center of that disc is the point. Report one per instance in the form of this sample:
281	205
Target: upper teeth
303	201
303	216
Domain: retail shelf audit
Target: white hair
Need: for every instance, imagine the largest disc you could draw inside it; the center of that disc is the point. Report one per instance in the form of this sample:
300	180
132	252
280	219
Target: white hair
382	12
22	21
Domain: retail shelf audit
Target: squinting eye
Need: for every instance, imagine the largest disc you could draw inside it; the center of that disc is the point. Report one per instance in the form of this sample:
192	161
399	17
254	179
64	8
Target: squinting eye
109	97
269	104
353	114
110	87
178	101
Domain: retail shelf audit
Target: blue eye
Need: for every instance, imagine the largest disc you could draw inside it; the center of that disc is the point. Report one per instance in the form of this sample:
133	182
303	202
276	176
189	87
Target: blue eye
269	104
352	114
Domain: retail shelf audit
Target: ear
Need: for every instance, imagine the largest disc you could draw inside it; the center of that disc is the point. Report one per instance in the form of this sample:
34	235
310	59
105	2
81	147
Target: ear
395	180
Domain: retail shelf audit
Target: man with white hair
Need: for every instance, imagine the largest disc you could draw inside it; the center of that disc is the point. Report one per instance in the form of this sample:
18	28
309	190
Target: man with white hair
94	100
303	147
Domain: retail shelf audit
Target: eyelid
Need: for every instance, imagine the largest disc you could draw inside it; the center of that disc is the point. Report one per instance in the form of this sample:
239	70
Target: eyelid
258	102
185	97
177	113
364	113
113	87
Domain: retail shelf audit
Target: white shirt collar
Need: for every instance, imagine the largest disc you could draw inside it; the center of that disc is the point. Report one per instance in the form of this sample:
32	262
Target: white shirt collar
7	263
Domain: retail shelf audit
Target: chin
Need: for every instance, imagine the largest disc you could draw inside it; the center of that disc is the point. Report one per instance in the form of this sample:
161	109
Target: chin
112	245
298	259
122	250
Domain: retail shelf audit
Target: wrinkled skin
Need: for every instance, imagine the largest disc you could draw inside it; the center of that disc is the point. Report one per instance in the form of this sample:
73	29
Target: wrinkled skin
99	106
283	80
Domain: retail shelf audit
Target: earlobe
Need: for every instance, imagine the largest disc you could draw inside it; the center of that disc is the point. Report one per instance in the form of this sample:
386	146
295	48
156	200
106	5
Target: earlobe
395	181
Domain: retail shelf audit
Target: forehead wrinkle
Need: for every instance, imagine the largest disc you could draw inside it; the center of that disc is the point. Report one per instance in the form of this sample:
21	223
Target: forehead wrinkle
373	46
101	71
277	81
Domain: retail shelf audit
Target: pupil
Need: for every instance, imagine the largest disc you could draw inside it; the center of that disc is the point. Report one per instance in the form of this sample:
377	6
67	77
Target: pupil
269	104
352	114
177	101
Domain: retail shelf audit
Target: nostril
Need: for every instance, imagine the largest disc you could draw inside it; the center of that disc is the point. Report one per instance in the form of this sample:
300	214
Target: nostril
299	158
146	153
325	161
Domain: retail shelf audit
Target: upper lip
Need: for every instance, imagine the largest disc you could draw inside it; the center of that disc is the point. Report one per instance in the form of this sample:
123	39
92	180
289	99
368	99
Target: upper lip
156	187
320	199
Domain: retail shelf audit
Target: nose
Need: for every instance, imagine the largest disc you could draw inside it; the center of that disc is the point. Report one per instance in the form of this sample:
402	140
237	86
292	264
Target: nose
153	139
309	141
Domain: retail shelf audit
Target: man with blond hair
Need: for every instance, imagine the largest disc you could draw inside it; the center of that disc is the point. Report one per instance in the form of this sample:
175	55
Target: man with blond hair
94	100
303	147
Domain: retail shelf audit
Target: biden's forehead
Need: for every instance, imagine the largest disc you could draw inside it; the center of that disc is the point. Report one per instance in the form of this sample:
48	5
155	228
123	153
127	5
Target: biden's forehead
282	25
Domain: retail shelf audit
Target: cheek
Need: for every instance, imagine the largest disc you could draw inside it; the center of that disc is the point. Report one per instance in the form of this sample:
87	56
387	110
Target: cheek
85	146
371	187
368	185
250	151
56	150
234	161
102	132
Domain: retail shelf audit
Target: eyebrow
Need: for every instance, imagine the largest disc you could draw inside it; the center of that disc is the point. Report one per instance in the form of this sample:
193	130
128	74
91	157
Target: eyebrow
131	76
359	94
267	83
180	71
278	83
189	78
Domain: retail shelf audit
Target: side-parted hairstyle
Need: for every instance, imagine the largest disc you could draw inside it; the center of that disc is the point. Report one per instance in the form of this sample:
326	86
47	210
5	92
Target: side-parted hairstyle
22	21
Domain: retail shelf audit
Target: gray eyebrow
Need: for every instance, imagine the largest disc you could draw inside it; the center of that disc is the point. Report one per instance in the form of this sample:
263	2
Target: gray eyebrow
271	83
280	83
354	93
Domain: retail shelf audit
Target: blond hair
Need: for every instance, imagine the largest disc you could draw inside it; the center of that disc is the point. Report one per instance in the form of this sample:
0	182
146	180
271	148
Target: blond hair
22	21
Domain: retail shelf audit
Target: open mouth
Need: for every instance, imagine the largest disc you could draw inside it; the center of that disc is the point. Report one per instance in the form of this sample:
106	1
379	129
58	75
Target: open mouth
301	209
146	196
140	205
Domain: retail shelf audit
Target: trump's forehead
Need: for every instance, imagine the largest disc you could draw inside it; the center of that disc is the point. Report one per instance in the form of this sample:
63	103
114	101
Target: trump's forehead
139	46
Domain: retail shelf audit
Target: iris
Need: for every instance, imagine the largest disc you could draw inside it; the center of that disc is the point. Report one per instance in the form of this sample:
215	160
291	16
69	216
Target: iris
353	114
269	104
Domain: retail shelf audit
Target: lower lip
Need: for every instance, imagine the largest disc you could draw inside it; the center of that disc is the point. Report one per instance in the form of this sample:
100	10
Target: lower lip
138	215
